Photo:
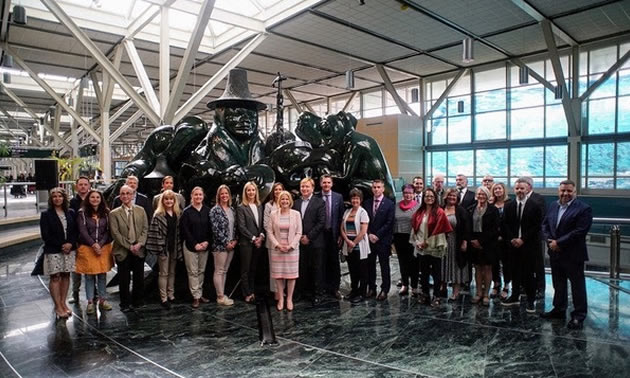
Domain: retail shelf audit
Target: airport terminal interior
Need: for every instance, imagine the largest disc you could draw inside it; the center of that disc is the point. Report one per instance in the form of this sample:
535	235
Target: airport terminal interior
503	88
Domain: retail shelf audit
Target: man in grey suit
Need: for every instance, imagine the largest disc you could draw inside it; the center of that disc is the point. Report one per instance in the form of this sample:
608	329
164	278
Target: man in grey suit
129	228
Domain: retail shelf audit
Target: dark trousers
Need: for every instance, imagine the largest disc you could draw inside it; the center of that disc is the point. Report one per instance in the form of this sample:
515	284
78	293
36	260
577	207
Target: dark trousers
539	271
406	260
249	261
383	259
523	271
502	265
561	270
358	273
430	265
131	264
331	262
311	278
76	282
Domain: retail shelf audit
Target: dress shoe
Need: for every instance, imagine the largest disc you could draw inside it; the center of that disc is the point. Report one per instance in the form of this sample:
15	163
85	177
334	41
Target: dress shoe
381	296
125	308
530	307
403	290
511	301
356	299
104	306
337	295
399	283
91	309
554	314
139	305
204	300
166	305
575	324
75	298
195	303
289	305
370	294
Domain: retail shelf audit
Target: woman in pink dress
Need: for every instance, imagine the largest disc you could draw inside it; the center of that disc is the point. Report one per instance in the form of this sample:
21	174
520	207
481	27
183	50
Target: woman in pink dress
284	231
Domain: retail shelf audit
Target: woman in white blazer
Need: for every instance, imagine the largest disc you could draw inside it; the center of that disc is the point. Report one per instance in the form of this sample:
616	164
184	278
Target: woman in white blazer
356	245
284	231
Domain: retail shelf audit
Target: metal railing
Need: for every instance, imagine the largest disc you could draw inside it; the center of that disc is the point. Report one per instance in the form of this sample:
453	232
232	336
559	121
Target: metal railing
615	243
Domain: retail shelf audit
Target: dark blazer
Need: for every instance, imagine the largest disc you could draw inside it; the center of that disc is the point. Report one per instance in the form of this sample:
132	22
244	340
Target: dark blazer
382	223
336	212
313	220
531	222
570	234
75	203
469	199
246	224
490	226
52	233
462	232
142	201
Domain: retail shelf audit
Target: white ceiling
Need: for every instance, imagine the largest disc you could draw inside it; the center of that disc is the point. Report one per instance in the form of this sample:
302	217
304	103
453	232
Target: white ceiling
311	42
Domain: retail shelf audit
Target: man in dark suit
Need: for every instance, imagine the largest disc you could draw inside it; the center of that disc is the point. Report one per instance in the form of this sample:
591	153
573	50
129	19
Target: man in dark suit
565	228
380	209
438	186
522	220
138	199
418	188
334	211
539	265
312	243
82	185
466	196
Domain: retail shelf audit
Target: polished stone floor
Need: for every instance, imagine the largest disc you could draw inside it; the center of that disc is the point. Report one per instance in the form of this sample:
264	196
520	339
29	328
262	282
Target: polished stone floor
396	338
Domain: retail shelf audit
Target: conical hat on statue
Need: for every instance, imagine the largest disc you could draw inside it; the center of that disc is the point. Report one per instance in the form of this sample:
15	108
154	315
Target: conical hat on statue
236	92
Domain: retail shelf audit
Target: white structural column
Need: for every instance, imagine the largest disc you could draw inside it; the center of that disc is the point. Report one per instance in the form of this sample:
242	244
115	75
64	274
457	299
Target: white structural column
102	60
165	60
57	122
188	60
202	92
74	134
141	73
51	92
402	104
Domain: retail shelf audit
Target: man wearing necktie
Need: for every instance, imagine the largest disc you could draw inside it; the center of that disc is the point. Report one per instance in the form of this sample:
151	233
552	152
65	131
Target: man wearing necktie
380	209
129	228
334	212
565	228
466	197
312	245
522	230
438	186
418	187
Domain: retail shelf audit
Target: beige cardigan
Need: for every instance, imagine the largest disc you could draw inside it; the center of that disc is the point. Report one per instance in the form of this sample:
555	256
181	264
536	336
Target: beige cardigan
295	229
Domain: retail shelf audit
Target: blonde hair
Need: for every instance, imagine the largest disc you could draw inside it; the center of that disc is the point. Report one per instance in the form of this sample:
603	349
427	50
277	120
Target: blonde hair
160	207
245	201
285	193
484	190
505	195
307	180
223	186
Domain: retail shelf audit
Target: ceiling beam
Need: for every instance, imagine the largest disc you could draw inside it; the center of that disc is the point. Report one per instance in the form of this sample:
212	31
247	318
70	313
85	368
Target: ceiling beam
605	76
349	101
294	102
444	94
187	61
402	104
205	89
164	81
141	73
96	53
51	92
125	125
534	74
97	89
17	124
538	16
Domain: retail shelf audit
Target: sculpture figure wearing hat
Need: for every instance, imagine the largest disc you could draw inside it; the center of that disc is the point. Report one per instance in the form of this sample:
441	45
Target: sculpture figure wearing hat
233	147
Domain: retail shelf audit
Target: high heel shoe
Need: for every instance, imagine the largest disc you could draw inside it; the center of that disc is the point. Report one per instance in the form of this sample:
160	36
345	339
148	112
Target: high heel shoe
289	306
280	306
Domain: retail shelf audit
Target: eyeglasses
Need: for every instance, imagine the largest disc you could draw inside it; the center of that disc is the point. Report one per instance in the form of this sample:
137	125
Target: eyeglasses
487	180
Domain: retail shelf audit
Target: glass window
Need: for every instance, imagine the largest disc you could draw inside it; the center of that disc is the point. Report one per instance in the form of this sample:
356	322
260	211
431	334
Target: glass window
390	104
601	59
459	129
526	96
460	162
438	161
623	110
373	104
623	159
491	100
526	161
556	161
438	131
607	89
556	122
601	116
490	79
490	126
492	162
624	82
527	123
462	86
440	111
550	96
601	159
453	105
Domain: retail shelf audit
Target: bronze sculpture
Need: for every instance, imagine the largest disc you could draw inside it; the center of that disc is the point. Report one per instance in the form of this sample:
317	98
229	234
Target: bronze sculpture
233	152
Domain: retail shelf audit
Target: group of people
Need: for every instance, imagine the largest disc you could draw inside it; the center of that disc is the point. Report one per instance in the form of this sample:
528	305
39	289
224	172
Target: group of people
449	235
